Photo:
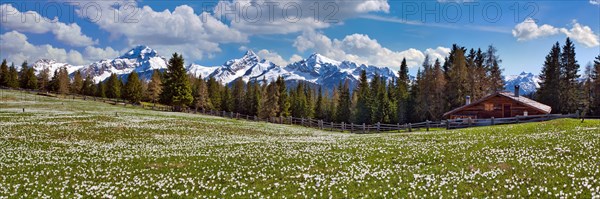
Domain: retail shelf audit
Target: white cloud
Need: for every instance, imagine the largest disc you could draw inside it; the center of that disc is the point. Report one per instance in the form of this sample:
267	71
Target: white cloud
438	53
33	22
96	54
528	30
276	58
582	34
15	48
181	30
282	17
364	50
595	2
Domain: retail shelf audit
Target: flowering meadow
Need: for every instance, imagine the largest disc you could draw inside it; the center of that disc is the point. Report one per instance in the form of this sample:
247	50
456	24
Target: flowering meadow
63	148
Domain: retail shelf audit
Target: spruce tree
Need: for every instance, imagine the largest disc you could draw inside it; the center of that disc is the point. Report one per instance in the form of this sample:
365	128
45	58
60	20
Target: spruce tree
238	94
492	63
439	84
62	83
569	86
4	75
549	90
77	85
177	90
13	77
201	100
402	93
133	88
32	81
214	93
595	101
23	75
226	100
284	101
363	104
44	79
320	105
101	90
457	80
89	88
113	87
270	103
154	87
344	108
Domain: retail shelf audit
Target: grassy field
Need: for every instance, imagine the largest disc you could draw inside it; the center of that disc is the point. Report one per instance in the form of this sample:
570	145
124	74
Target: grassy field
71	148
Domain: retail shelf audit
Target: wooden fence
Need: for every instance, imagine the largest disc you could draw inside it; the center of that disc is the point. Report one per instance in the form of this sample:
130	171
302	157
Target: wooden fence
330	126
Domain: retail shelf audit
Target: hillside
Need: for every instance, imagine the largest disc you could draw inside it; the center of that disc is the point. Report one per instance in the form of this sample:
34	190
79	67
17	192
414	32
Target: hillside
75	148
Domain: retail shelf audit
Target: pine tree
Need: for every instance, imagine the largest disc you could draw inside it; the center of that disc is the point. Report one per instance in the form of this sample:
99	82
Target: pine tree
154	87
44	79
133	88
13	77
77	85
492	63
113	87
332	105
201	100
549	90
177	90
363	105
569	88
300	102
4	74
402	93
344	108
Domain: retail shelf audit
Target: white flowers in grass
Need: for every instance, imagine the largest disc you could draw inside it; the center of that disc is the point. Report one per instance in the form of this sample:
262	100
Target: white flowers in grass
144	154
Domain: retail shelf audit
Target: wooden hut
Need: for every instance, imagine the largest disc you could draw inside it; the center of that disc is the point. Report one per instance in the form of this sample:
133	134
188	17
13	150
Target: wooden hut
499	105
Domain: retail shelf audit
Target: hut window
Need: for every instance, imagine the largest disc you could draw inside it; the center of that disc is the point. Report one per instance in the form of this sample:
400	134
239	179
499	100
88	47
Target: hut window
488	107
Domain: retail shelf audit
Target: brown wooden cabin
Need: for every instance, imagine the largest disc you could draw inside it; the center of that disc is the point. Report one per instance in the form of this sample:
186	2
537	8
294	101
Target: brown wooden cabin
499	105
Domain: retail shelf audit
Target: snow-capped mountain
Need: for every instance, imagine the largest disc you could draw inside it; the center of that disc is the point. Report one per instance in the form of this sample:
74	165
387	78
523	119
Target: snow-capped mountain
140	59
528	82
316	69
52	66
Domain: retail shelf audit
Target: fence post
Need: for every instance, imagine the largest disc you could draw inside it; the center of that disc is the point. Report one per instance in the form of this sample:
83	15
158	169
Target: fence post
255	118
364	128
378	126
447	124
321	124
427	122
517	118
493	122
302	122
351	127
280	119
343	126
409	127
398	126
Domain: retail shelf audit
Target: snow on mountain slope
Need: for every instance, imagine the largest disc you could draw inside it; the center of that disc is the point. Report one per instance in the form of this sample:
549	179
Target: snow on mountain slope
200	71
528	82
52	66
140	59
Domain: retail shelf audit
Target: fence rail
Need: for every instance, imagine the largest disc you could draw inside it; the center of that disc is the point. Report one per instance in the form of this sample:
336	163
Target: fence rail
324	125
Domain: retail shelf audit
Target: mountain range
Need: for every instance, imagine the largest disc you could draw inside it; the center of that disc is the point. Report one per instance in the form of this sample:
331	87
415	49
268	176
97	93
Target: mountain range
316	69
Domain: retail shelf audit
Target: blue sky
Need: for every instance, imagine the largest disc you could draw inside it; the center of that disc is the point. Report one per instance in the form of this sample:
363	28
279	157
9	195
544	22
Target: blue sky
376	32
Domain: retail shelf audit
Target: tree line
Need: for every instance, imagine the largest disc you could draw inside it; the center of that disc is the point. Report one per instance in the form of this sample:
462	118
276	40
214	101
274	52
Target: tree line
436	89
